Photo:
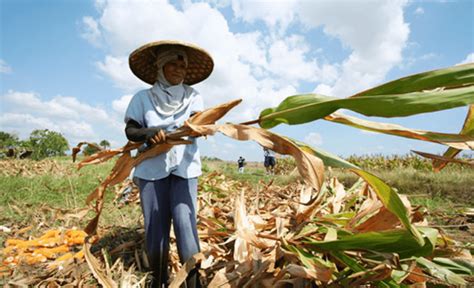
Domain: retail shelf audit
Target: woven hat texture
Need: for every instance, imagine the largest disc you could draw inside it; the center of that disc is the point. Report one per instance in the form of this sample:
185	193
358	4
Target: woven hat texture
142	61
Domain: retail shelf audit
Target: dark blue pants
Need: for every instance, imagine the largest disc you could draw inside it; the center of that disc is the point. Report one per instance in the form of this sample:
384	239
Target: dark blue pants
169	198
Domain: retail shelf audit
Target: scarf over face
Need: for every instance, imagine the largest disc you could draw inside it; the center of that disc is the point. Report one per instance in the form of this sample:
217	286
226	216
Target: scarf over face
170	99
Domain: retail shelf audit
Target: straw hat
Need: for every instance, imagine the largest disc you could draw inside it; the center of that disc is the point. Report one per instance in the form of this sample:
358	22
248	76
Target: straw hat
142	61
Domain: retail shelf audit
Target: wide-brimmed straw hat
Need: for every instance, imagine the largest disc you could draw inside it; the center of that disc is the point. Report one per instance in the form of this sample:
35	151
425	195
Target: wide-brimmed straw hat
142	61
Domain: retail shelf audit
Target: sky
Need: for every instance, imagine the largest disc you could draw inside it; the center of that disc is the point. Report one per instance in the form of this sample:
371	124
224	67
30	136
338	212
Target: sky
64	64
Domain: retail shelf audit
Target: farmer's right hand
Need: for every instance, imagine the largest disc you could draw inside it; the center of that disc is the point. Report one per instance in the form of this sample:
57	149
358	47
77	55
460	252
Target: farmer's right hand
158	137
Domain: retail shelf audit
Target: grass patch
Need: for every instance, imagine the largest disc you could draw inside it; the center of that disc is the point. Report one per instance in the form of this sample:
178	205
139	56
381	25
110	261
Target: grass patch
448	185
24	199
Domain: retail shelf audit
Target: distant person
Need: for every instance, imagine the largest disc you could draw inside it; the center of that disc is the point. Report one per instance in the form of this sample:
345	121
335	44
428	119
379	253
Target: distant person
241	163
269	161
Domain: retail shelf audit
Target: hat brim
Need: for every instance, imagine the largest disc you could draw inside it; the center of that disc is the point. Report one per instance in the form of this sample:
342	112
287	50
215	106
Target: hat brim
142	61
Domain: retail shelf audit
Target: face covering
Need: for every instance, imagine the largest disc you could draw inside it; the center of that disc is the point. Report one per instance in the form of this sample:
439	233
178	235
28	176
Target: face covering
169	99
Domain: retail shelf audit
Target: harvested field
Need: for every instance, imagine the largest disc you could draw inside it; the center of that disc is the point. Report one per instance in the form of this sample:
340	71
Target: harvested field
251	233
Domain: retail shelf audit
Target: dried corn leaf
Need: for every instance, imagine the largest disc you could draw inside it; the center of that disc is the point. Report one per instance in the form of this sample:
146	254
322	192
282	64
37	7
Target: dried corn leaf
456	141
310	167
383	220
443	158
184	271
467	129
96	270
77	149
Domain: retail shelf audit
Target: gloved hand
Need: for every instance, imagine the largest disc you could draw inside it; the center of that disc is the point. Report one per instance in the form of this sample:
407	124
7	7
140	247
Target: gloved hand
156	136
135	132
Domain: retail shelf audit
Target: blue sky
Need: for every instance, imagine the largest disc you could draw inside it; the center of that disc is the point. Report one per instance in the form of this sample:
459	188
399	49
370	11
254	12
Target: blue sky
63	64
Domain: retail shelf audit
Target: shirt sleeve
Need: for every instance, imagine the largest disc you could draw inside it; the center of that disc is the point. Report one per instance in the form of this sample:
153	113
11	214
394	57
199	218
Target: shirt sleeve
197	105
135	110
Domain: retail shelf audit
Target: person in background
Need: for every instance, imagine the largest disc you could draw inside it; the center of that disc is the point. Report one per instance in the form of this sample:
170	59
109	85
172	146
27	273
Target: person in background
269	161
241	164
168	182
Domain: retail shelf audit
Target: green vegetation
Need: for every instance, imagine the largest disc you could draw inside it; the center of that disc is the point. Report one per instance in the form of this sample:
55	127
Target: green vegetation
68	188
62	188
8	139
42	143
47	143
105	144
451	185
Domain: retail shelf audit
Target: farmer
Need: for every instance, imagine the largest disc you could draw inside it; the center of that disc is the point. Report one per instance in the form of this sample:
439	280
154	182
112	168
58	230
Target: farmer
241	164
269	161
168	182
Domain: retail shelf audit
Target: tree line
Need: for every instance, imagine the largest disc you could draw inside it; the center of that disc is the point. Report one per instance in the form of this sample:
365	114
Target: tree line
41	143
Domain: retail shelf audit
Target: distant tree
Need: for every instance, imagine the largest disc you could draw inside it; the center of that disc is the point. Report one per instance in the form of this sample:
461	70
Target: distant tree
105	144
8	139
47	143
91	149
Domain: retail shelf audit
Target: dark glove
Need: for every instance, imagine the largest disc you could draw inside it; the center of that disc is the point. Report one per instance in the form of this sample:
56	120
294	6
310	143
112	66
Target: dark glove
136	133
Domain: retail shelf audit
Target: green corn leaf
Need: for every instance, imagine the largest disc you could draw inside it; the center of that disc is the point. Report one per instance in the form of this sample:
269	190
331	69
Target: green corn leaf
458	266
400	275
391	241
356	267
441	272
456	76
397	99
391	201
301	109
309	260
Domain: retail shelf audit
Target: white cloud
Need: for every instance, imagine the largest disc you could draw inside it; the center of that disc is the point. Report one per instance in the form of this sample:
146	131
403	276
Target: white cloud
375	31
260	66
91	31
116	68
4	67
288	61
313	139
469	59
275	14
260	70
419	11
120	105
77	121
24	124
59	107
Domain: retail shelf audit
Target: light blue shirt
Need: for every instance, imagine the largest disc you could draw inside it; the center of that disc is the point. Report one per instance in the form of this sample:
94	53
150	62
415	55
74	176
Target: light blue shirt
181	160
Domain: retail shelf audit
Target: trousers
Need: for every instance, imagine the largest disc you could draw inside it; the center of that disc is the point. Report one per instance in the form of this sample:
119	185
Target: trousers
171	198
